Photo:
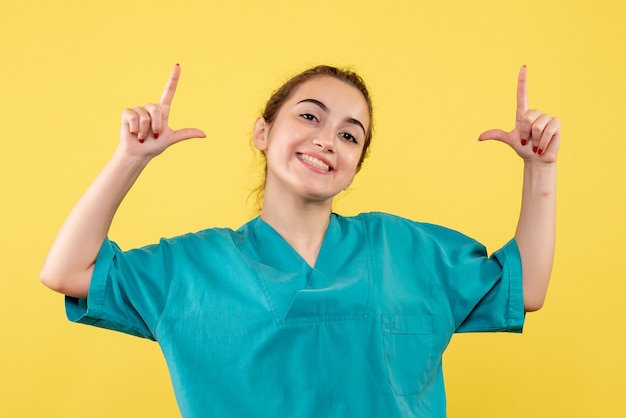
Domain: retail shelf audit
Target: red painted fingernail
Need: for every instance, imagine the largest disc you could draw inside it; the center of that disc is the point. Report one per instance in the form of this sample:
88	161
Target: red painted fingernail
524	141
141	141
156	136
539	151
535	149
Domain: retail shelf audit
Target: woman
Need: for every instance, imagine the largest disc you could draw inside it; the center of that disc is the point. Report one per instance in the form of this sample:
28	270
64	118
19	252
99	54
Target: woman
302	312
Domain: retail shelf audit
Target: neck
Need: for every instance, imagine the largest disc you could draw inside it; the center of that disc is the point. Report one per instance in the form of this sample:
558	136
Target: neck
302	224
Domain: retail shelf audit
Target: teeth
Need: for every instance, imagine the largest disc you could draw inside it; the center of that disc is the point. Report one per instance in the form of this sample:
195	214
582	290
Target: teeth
314	161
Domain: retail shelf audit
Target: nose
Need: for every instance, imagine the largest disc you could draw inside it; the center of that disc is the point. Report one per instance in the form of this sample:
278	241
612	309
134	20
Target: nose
325	140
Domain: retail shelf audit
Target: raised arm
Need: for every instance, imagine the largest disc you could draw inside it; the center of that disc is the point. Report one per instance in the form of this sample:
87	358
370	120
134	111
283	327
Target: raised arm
536	138
145	133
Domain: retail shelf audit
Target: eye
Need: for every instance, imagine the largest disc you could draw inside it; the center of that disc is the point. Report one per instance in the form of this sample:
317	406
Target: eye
309	116
349	137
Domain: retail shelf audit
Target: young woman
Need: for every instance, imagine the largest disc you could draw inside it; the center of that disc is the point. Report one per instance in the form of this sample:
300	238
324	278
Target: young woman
302	312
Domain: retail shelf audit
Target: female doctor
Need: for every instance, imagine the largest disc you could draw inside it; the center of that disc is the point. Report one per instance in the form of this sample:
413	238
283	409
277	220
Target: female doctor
302	312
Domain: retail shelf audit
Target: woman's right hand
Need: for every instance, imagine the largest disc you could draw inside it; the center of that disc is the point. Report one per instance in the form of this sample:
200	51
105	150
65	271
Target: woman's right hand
145	131
145	134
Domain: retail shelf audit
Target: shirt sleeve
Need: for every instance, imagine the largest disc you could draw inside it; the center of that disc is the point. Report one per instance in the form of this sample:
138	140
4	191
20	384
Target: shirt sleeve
502	306
128	290
485	292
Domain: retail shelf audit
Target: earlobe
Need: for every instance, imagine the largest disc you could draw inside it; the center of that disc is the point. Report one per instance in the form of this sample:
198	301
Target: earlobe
260	134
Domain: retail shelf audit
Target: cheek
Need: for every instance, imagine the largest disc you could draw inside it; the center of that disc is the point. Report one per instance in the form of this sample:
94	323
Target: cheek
287	135
352	156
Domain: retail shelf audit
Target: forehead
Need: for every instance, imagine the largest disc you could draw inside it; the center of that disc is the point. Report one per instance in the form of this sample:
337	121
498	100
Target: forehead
337	95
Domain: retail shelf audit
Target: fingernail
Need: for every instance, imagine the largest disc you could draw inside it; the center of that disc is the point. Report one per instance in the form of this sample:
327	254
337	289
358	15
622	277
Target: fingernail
524	141
156	136
535	149
141	141
539	151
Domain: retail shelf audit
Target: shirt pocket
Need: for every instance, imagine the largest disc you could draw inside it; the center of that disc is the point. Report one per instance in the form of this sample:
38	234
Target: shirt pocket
408	350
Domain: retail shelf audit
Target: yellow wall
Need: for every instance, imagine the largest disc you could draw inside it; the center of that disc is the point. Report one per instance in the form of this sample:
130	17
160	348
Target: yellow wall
440	73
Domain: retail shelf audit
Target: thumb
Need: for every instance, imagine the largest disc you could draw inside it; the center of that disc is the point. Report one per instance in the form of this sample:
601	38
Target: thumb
187	133
495	134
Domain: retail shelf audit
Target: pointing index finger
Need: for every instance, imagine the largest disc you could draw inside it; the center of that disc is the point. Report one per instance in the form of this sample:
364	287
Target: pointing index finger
170	88
522	93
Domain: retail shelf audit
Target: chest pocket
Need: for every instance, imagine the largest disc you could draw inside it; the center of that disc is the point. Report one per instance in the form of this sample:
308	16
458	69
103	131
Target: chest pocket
408	347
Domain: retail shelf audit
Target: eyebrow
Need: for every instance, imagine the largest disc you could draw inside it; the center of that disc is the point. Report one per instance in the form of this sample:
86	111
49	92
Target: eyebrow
325	108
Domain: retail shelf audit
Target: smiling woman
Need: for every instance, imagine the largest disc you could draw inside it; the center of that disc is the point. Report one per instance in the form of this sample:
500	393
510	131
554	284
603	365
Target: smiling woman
302	312
313	148
285	92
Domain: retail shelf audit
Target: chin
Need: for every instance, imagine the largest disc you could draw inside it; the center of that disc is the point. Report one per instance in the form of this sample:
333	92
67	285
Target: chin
318	196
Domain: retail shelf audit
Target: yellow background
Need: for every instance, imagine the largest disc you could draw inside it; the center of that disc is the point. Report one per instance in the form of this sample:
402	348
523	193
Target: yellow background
440	73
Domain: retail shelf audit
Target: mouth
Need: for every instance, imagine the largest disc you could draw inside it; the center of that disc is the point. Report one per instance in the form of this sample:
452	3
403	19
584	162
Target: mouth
315	162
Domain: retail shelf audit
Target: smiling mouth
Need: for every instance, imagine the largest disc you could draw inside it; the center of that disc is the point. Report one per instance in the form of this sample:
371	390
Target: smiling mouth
314	162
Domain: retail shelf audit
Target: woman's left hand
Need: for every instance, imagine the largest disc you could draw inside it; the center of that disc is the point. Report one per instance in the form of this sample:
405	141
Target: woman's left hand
536	137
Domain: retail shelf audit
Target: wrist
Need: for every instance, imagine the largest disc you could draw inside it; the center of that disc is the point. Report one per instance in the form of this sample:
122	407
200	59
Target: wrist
122	157
540	177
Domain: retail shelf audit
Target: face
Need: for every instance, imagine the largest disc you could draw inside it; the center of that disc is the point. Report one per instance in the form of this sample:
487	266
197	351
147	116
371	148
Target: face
314	145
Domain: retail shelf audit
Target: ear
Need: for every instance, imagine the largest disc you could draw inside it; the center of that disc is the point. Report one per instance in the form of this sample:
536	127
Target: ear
261	130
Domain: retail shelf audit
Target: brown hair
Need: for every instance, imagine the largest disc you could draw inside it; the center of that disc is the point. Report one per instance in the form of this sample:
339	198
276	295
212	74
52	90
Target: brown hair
280	96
